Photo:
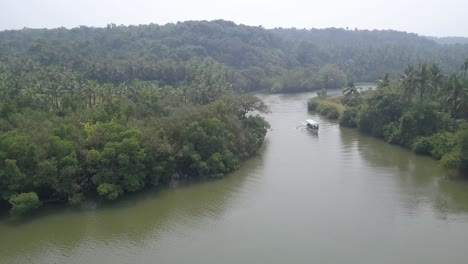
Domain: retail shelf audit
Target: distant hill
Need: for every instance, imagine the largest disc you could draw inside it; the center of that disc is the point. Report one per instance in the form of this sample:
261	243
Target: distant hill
257	57
449	40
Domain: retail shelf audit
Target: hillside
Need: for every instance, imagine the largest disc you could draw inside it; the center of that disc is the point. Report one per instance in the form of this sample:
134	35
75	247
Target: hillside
255	58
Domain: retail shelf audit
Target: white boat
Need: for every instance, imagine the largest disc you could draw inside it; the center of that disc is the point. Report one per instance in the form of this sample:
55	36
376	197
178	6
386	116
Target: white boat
312	125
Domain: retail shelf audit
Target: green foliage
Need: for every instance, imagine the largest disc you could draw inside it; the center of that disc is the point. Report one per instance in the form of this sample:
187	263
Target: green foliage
421	120
81	61
380	108
391	133
451	160
276	87
442	143
349	118
425	111
121	163
422	145
110	191
328	110
24	203
139	142
313	103
464	151
85	114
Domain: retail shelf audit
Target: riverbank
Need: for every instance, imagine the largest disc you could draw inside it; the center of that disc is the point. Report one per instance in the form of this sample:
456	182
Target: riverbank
420	128
119	147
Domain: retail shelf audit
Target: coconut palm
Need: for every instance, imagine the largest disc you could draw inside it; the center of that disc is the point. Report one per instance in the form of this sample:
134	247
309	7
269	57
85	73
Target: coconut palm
408	82
384	81
435	80
457	95
422	77
351	94
464	67
350	89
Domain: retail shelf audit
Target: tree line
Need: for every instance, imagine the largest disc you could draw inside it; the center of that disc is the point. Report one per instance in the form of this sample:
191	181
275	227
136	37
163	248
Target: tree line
424	110
277	60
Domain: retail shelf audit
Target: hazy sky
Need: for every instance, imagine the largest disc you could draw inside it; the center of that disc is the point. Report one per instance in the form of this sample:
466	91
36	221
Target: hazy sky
425	17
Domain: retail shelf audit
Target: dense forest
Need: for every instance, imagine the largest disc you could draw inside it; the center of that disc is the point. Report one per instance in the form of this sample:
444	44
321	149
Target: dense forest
450	40
108	111
64	138
423	110
255	58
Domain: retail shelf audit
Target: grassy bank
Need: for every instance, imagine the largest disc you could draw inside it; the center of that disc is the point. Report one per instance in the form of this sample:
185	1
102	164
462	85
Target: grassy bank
330	108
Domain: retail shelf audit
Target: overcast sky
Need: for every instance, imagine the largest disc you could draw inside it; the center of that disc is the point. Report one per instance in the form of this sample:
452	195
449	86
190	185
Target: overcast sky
425	17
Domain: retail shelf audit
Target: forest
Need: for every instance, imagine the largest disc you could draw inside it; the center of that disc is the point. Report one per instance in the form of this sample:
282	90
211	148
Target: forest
88	112
255	58
64	138
423	110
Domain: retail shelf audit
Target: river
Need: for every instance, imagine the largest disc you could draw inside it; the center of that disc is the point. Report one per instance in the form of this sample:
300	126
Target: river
333	197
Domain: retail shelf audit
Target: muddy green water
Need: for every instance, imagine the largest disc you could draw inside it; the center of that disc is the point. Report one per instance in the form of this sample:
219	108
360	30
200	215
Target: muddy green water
334	197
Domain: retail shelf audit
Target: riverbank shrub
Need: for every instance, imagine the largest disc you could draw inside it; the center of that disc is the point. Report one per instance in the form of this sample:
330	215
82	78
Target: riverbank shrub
24	203
436	145
350	117
313	103
328	109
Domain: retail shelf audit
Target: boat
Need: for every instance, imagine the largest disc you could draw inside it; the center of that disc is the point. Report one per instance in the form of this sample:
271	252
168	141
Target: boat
312	125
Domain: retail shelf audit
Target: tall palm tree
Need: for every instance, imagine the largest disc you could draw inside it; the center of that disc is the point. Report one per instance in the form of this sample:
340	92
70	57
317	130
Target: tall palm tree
350	89
422	77
435	80
351	94
384	81
464	67
408	82
457	95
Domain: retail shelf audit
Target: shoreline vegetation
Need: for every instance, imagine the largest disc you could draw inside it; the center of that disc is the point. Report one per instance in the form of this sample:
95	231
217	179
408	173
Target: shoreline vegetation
65	139
425	111
109	111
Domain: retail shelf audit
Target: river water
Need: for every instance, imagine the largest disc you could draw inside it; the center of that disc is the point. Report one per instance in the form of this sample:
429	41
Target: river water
332	197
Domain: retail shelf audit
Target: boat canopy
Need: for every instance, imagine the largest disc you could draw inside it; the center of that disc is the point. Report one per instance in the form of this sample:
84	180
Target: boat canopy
312	122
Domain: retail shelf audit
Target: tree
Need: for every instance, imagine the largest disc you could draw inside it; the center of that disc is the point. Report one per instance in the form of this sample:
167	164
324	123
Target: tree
246	103
384	81
24	203
456	96
422	77
208	82
351	94
436	77
408	82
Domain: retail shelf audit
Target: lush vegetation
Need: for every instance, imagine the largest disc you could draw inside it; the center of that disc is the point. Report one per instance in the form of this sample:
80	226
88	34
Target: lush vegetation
108	111
64	137
424	110
327	107
279	60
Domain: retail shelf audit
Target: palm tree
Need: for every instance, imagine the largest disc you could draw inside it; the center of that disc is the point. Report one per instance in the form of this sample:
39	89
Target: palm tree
350	89
464	67
422	77
384	81
408	81
457	95
351	94
435	79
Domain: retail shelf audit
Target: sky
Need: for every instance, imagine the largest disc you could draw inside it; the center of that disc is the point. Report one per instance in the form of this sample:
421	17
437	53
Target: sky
425	17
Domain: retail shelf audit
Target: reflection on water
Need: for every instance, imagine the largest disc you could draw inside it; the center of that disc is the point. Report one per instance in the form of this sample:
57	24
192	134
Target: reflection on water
420	179
333	197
